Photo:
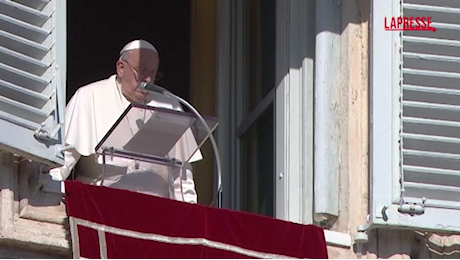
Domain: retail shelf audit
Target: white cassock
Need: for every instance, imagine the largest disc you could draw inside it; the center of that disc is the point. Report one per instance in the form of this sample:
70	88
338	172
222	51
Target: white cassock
90	114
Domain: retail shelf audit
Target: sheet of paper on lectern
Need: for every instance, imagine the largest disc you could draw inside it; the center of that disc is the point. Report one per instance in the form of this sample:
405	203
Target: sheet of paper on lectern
160	134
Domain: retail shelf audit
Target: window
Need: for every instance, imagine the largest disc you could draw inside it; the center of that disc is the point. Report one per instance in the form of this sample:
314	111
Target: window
257	165
416	118
32	78
265	82
256	134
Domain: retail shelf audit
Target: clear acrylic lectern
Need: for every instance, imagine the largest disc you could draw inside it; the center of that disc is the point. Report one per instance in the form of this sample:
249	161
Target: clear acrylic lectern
150	140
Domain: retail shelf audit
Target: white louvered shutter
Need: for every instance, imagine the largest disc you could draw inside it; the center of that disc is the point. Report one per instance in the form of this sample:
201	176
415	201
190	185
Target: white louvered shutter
416	169
32	78
431	105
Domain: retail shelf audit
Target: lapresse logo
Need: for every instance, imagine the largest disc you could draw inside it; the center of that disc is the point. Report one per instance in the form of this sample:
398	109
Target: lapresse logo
402	23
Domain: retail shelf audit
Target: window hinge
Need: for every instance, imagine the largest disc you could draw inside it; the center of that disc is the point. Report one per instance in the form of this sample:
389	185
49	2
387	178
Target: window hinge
46	135
413	208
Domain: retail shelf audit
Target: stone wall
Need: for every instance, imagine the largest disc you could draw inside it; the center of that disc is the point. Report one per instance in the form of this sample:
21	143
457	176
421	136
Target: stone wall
33	224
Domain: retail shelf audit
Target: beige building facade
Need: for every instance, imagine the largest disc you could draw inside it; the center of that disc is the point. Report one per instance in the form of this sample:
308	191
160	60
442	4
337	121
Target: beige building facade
326	118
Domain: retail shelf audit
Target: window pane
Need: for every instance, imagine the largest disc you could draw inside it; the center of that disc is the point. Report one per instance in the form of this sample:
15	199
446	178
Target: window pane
257	166
260	30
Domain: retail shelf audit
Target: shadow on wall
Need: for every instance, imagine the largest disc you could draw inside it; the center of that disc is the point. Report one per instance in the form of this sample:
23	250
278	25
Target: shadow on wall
353	12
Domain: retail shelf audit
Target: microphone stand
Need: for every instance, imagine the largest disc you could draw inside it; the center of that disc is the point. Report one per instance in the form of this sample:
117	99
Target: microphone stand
167	93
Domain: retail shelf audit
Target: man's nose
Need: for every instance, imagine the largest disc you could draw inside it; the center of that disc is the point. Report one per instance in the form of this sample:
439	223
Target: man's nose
148	78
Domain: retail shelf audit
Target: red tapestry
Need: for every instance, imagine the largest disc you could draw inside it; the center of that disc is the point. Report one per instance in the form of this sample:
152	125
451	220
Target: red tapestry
117	223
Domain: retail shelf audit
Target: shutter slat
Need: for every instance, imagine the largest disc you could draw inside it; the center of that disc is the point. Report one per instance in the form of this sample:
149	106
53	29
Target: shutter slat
432	8
431	110
22	110
26	63
431	95
431	127
430	122
430	81
447	26
431	191
441	3
431	143
431	106
18	121
425	175
431	159
431	138
431	45
23	13
21	94
443	31
431	78
432	62
431	41
35	4
23	46
438	74
436	188
431	57
431	154
22	78
429	90
23	29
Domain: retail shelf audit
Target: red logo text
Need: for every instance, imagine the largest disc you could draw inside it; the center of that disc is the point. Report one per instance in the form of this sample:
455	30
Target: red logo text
409	24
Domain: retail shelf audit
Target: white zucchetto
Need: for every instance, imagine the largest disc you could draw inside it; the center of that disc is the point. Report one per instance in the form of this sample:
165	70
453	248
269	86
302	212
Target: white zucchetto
138	44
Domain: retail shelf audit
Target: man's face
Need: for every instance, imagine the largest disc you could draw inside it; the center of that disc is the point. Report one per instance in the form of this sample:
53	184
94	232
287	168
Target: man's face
140	65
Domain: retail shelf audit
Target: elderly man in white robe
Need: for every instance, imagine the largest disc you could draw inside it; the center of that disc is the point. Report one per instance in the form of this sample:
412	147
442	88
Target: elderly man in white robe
94	109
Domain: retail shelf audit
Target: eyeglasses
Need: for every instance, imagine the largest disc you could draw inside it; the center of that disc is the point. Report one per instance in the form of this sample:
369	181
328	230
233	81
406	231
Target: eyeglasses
143	73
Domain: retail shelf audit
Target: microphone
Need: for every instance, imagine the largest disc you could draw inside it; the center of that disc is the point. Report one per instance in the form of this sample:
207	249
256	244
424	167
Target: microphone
150	87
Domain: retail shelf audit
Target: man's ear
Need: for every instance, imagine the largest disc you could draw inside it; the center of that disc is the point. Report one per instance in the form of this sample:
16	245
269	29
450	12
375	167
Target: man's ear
120	68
